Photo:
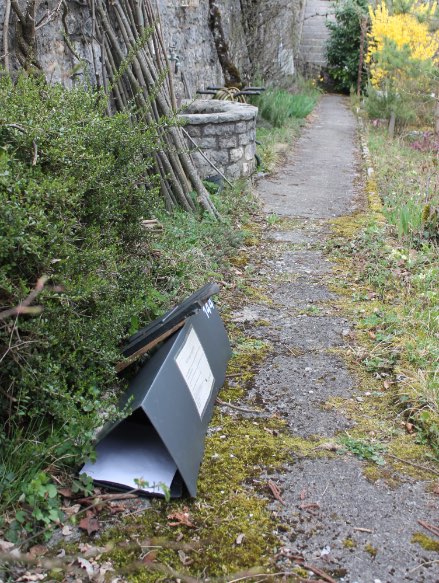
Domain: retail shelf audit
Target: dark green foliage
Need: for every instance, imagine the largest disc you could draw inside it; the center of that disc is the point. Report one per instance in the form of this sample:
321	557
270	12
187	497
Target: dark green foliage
74	187
343	48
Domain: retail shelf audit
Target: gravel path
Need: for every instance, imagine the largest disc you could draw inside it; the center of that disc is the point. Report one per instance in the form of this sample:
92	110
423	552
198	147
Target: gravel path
356	530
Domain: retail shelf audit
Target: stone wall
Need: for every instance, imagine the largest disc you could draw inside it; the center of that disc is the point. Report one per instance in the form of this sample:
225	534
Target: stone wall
260	34
226	134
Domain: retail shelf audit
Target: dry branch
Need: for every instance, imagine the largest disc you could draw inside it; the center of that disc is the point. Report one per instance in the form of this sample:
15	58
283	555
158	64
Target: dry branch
25	306
136	64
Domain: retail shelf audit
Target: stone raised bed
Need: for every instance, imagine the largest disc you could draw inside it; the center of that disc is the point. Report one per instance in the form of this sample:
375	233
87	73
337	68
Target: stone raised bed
225	131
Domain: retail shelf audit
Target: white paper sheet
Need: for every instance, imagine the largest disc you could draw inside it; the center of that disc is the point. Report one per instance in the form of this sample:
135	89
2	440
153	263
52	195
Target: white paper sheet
194	366
132	451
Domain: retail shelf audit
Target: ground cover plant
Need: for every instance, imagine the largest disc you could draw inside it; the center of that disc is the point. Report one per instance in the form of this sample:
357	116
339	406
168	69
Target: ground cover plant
75	186
400	263
278	106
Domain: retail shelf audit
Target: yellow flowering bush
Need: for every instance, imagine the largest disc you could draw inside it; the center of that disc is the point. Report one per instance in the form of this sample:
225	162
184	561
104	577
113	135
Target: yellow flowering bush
406	32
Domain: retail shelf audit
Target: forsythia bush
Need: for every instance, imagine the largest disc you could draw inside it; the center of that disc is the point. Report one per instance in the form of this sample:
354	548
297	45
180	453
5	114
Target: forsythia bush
405	32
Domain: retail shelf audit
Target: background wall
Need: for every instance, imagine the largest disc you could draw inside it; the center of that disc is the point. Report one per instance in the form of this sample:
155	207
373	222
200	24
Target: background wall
262	37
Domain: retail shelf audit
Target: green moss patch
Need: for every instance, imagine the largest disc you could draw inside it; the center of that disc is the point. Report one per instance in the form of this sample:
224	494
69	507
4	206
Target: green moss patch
233	530
426	542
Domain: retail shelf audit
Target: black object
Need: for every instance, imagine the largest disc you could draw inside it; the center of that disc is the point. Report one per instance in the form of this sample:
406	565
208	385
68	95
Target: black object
170	405
172	318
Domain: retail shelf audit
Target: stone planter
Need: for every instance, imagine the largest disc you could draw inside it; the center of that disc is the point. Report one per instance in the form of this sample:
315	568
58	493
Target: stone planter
225	131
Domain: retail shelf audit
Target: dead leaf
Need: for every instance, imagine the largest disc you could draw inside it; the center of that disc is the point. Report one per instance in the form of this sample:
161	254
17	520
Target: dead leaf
6	546
32	577
436	490
410	428
184	559
330	446
181	518
90	524
179	537
66	492
87	566
149	557
240	538
275	491
38	551
66	530
386	384
71	510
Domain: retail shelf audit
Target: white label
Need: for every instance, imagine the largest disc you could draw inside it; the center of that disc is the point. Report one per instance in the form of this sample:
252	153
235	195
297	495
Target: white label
208	308
194	366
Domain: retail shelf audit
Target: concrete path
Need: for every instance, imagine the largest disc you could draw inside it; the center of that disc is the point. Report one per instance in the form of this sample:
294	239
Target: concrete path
357	530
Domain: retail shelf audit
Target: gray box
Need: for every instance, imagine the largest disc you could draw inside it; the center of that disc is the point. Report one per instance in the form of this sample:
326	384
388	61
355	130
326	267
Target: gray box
170	404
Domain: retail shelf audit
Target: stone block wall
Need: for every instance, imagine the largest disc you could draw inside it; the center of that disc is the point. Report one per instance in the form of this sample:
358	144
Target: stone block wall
226	134
260	34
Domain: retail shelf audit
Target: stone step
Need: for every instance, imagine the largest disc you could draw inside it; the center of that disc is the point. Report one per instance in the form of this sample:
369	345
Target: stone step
315	34
312	57
315	37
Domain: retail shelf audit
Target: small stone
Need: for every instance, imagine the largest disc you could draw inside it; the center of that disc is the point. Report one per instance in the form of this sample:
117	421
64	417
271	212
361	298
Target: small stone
236	154
359	399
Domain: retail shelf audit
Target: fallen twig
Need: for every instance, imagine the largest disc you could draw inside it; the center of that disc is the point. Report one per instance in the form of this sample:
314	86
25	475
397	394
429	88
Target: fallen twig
360	529
430	527
106	497
258	575
320	573
236	407
275	491
423	565
430	470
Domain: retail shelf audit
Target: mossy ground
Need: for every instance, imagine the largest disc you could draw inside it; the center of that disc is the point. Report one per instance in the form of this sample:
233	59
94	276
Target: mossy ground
374	359
232	526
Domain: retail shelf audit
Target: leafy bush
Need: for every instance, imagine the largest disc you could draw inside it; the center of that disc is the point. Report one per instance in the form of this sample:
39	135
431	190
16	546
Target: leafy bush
72	188
343	48
73	191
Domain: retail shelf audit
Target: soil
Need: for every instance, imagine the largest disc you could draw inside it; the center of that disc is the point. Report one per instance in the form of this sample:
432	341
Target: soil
359	531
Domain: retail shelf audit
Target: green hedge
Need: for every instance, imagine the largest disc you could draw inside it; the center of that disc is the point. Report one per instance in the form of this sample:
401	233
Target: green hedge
73	188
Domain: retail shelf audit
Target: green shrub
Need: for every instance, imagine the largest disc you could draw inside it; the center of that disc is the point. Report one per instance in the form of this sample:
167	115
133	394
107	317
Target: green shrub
406	89
343	48
72	188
